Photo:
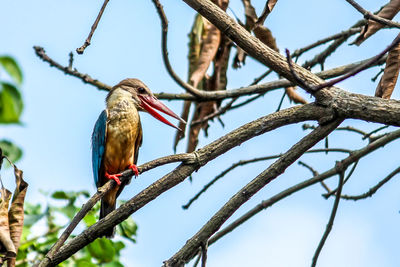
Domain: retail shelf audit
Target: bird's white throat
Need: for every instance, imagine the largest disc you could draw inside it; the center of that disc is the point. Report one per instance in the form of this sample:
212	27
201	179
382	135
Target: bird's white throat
121	99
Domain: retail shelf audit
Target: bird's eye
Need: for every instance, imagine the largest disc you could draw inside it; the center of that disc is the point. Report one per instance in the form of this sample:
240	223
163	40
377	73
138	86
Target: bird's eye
141	90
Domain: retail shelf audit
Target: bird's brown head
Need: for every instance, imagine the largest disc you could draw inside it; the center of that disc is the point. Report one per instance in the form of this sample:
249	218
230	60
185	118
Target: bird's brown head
145	100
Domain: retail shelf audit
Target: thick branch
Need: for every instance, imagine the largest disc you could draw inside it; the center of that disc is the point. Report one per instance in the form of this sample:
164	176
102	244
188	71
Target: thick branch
202	157
244	162
269	86
187	158
278	167
222	94
345	163
346	104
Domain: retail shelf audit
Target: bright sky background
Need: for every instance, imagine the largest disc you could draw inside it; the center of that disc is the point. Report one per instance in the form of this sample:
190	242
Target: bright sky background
60	112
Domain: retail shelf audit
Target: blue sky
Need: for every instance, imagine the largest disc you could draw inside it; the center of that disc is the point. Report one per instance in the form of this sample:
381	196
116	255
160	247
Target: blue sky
60	112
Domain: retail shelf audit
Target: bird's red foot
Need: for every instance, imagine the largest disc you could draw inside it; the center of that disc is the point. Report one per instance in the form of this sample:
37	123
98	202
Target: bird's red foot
114	177
134	169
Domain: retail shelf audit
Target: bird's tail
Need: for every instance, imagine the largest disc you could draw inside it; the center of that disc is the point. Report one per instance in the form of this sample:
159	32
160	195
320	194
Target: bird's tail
105	209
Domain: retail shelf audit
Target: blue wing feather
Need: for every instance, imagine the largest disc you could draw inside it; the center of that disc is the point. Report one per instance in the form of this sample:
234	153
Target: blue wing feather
98	144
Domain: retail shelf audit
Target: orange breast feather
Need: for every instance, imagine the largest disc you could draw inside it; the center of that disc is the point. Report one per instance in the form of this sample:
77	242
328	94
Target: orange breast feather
122	133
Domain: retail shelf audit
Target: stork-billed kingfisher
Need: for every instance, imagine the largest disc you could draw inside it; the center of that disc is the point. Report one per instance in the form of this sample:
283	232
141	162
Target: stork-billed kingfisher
117	136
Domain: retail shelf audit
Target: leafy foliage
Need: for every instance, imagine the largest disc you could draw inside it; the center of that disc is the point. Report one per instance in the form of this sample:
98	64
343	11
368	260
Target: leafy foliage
10	150
11	216
11	67
64	205
11	104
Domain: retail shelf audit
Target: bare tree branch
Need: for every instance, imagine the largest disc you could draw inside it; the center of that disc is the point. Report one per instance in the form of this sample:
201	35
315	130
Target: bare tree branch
245	162
277	168
323	55
102	191
333	192
330	222
374	189
369	15
349	32
81	49
164	23
215	95
332	105
269	5
345	163
360	68
199	158
73	72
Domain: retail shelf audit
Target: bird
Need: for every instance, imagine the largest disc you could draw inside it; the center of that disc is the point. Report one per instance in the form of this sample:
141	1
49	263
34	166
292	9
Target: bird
117	136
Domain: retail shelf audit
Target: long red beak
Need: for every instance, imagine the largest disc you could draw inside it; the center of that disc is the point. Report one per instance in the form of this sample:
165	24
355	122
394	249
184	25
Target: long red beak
150	102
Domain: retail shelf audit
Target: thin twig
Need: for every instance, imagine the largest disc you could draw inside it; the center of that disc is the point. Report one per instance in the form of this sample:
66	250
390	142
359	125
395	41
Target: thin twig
245	102
81	49
103	190
281	101
314	173
73	72
204	247
313	89
368	135
164	34
244	162
374	189
296	77
373	79
269	5
260	90
330	222
229	106
298	52
191	162
71	60
352	129
223	173
196	262
243	195
360	68
218	112
332	192
353	157
261	77
351	31
311	169
369	15
322	56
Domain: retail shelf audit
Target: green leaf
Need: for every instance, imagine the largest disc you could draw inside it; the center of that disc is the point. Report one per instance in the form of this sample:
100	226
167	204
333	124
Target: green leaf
60	195
118	246
12	68
33	214
11	104
69	210
128	229
90	219
31	209
84	263
113	264
102	249
13	152
70	195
